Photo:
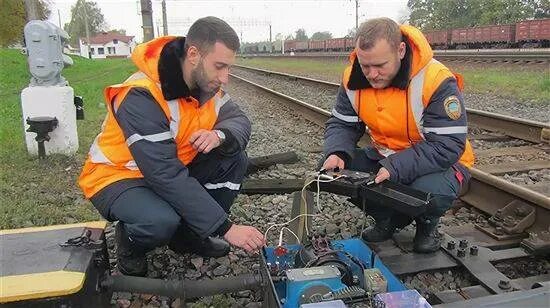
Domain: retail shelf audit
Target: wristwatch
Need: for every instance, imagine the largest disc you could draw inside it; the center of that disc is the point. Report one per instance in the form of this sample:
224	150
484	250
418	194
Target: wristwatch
221	135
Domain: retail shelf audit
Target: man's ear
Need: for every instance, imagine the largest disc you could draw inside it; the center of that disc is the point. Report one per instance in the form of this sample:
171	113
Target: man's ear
193	55
402	50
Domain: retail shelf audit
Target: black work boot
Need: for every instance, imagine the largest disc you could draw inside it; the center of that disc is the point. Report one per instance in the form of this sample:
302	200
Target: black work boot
426	239
385	228
381	231
130	260
185	240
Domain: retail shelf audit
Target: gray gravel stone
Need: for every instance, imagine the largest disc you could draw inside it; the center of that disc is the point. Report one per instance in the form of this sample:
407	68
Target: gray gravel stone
221	270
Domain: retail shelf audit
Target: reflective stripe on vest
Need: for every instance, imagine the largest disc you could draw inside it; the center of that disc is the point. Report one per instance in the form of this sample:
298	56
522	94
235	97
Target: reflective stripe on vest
153	138
351	96
449	130
131	164
416	87
229	185
345	118
382	149
220	101
174	107
96	155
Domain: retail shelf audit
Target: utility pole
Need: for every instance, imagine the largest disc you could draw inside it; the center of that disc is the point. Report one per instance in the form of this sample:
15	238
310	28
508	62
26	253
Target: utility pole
147	20
59	17
84	8
356	15
241	41
32	12
270	33
164	20
158	28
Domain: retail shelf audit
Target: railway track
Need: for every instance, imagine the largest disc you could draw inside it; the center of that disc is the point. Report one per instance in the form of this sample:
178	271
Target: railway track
506	144
279	127
442	277
488	192
488	56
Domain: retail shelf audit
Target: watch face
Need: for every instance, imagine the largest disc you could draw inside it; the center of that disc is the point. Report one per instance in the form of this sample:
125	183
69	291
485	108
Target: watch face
221	135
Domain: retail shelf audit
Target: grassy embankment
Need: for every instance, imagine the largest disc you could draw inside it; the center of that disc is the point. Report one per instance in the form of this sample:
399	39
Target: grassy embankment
34	193
523	83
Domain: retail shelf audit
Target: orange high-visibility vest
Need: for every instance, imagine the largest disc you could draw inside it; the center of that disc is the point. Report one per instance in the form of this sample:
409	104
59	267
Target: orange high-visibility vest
393	116
110	160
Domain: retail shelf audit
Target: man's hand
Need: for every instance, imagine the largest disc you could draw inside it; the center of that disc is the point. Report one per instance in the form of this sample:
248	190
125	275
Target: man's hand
332	162
382	175
246	237
204	140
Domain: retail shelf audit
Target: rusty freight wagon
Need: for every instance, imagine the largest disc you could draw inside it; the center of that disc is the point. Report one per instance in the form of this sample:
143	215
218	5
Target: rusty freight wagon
533	33
483	37
317	45
336	44
438	39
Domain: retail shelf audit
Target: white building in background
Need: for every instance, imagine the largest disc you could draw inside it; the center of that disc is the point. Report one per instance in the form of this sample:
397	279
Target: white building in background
108	45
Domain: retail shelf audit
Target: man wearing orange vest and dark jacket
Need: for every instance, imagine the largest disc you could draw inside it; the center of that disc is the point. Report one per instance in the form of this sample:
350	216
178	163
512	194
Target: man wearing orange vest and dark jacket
412	107
170	158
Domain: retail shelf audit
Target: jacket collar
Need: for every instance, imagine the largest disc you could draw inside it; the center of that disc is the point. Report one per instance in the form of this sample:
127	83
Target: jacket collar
358	81
170	72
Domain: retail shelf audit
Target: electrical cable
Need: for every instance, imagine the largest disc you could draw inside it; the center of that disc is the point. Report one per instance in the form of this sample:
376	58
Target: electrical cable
287	229
302	195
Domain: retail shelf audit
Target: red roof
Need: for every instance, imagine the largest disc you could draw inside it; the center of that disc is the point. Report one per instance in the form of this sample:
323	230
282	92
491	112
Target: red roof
106	37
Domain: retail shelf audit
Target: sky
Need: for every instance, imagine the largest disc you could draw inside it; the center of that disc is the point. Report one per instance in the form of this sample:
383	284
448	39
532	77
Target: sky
250	18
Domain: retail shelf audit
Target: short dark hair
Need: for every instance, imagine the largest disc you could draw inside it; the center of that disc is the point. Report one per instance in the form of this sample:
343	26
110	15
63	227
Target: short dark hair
378	28
205	32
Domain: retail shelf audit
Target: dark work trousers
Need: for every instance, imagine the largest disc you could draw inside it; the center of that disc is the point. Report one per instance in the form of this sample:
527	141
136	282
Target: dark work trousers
151	221
444	187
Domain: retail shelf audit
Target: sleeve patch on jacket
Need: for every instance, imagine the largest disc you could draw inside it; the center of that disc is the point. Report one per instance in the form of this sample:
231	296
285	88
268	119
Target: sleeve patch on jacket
452	107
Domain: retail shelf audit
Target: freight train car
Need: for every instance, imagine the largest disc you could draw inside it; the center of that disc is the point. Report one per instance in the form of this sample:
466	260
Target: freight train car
483	37
524	34
336	44
317	45
438	39
289	46
350	43
302	46
533	33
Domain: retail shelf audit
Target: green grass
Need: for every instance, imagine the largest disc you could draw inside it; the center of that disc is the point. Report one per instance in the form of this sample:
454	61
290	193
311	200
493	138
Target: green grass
34	193
511	81
518	84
